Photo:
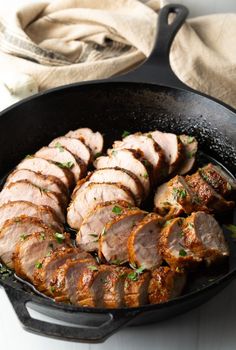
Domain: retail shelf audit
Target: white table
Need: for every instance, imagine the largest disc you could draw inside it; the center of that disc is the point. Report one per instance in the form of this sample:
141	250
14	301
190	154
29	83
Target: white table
209	327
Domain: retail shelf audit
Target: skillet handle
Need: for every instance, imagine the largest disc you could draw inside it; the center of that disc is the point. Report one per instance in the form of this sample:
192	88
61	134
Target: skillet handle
79	333
156	69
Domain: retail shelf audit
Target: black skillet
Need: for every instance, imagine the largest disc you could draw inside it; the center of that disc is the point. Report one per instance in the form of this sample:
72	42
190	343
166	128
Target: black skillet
112	107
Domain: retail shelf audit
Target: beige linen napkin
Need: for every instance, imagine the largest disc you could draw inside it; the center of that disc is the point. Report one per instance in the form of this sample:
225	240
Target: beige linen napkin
67	41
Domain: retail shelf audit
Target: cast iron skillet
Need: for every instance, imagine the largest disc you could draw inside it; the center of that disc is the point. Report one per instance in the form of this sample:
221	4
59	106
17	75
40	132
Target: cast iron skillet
112	107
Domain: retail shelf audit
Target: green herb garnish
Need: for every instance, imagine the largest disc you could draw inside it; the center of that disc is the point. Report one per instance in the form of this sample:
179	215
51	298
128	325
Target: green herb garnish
232	229
182	252
134	275
116	262
92	268
98	154
52	289
190	155
149	136
179	193
38	265
42	236
93	235
145	175
190	139
4	272
117	210
60	237
59	146
23	237
67	165
125	134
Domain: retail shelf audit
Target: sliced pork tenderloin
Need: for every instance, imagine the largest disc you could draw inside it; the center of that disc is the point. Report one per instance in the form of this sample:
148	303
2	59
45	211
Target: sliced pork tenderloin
85	200
149	148
24	190
123	176
46	182
16	230
165	285
94	222
30	250
94	140
173	247
190	146
47	167
219	180
43	277
204	237
14	209
74	146
208	197
136	288
64	159
171	147
71	278
113	241
143	242
130	160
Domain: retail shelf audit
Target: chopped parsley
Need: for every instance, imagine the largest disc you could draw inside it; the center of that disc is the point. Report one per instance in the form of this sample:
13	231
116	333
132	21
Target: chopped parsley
116	262
145	175
182	252
60	237
232	229
42	236
191	225
190	139
181	234
125	134
52	289
113	152
179	193
4	272
117	210
38	265
149	136
98	154
167	223
190	155
67	165
59	146
134	275
93	268
23	237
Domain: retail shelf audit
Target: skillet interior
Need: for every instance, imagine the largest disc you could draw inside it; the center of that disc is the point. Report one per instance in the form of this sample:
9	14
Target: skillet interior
112	108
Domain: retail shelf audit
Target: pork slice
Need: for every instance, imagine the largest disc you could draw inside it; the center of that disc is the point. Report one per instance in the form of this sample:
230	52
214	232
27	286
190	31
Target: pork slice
73	145
29	251
207	196
114	239
47	167
111	280
15	230
149	148
165	285
173	247
64	159
204	237
136	289
219	180
130	160
24	190
190	145
94	222
95	193
46	182
171	146
122	176
66	280
143	242
44	276
175	197
94	140
11	210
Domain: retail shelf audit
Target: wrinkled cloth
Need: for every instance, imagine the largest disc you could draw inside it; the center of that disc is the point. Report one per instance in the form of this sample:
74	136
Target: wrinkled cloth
68	41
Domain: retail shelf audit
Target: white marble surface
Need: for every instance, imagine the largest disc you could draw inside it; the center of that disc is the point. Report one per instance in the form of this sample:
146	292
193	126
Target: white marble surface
209	327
